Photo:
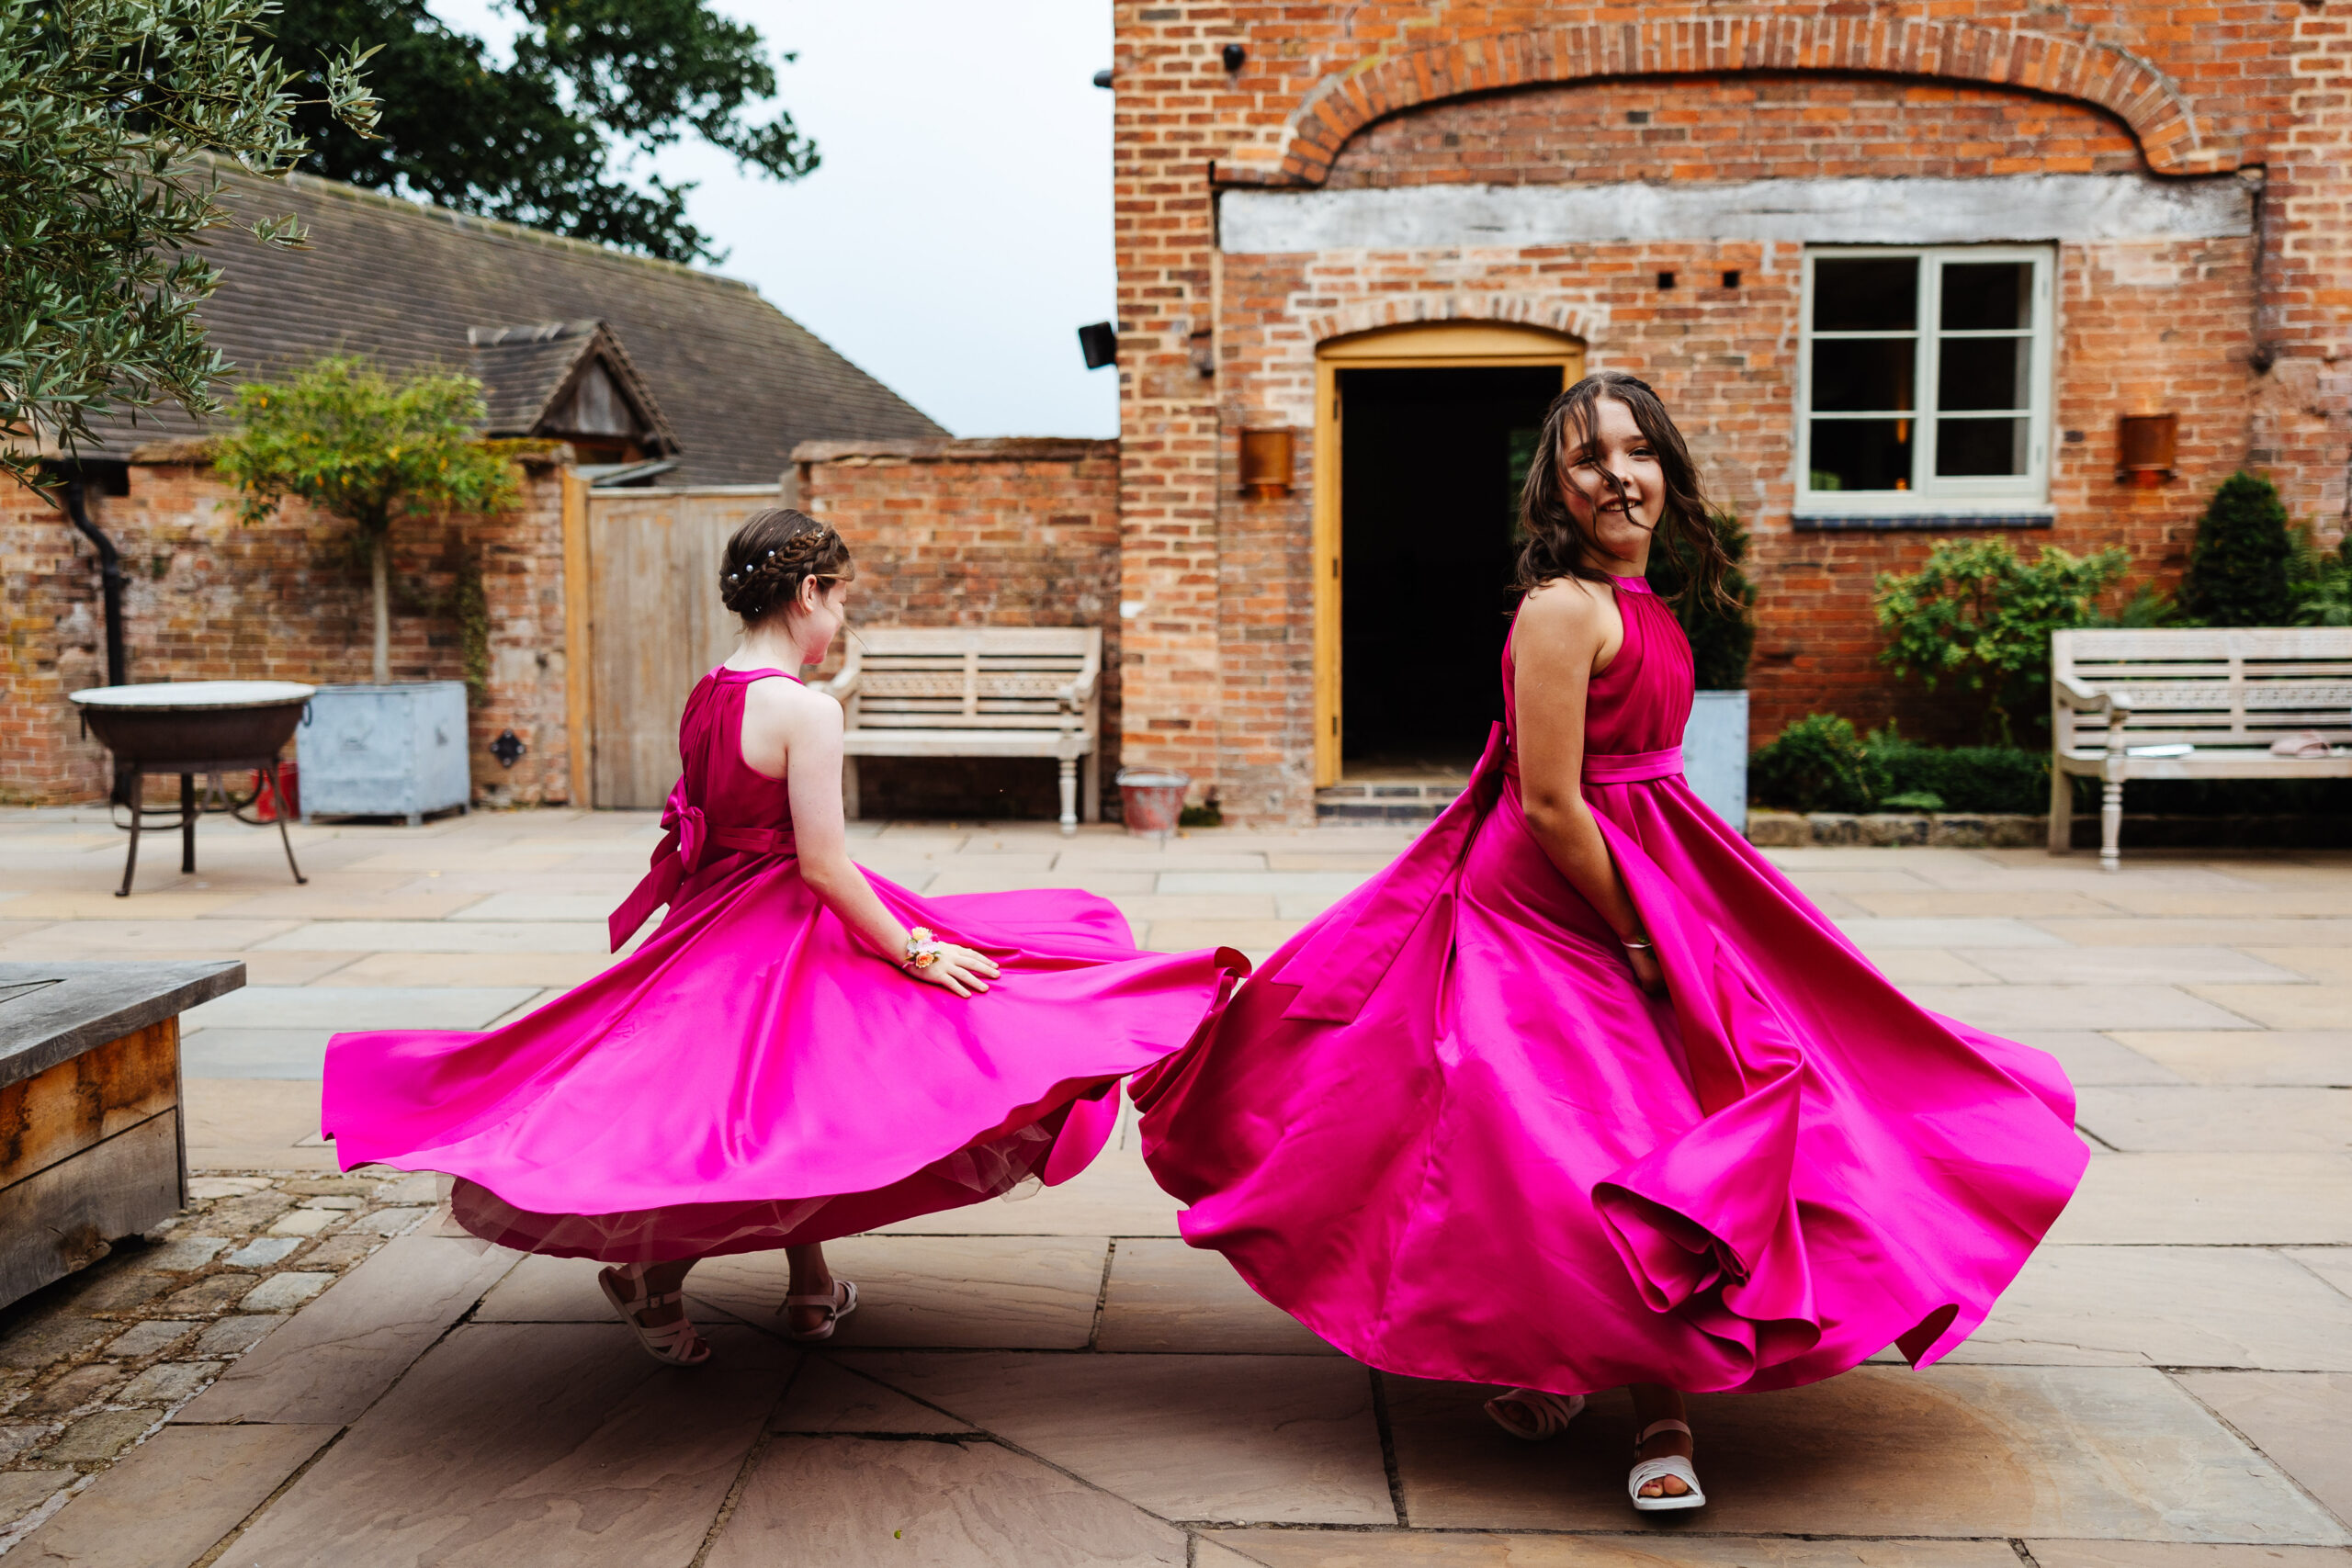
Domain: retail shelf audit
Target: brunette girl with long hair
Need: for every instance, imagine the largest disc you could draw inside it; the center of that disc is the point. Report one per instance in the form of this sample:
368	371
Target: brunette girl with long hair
1580	1093
802	1050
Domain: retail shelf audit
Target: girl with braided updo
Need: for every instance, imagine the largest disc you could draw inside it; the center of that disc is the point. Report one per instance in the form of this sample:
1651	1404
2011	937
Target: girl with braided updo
802	1050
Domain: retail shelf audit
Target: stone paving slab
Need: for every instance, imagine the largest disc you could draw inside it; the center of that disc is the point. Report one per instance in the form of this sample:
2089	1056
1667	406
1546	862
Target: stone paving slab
2201	965
2006	1008
331	1362
2187	1117
934	1504
1114	1197
827	1398
2211	1200
2167	1306
372	1007
2180	1554
177	1495
2302	1421
2317	1058
1953	1451
2092	1059
1164	1295
1445	1549
438	937
1871	932
257	1053
980	1292
513	1446
1223	1437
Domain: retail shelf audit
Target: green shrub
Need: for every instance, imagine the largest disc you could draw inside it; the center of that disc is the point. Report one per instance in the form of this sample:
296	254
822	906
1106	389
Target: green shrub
1963	778
2238	568
1816	764
2319	584
1976	616
1721	640
1913	800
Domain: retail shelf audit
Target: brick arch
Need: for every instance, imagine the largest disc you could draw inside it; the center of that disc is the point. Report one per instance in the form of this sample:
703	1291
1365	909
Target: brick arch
1704	43
1569	318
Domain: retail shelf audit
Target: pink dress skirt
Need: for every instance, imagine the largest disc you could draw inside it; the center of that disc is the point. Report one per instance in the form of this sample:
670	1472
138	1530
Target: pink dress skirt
755	1077
1446	1129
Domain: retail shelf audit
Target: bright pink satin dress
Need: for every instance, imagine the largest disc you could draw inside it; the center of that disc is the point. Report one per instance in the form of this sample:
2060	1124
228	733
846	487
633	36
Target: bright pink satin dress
753	1075
1445	1130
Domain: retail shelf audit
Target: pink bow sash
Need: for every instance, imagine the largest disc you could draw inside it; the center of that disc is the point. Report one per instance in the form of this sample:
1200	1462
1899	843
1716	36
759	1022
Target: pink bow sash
689	835
1632	767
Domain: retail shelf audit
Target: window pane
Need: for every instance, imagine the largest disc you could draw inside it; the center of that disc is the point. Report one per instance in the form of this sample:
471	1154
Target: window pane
1874	294
1863	375
1861	454
1976	447
1987	296
1982	372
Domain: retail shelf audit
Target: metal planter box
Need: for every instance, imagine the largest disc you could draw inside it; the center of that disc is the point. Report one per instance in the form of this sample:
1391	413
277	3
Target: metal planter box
1715	755
397	750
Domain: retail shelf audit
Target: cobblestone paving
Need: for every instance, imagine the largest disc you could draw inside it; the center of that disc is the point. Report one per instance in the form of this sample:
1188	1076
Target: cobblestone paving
308	1368
99	1361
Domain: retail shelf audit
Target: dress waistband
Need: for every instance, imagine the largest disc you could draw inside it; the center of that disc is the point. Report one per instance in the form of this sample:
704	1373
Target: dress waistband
1632	767
686	841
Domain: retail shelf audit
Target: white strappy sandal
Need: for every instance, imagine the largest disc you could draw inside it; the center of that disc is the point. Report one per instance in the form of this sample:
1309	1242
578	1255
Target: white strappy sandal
1531	1415
838	1302
674	1344
1649	1469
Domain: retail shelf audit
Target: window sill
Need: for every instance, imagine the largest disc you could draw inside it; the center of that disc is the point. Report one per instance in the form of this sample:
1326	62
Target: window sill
1831	522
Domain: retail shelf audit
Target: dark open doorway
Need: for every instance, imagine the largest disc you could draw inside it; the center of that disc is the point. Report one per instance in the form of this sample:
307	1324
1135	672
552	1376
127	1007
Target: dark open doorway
1431	463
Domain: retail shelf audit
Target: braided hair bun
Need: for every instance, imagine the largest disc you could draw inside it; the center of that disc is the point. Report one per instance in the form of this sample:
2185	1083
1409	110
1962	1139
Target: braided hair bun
771	555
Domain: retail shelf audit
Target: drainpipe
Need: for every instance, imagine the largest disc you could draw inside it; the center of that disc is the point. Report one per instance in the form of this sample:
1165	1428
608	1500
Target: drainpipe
109	576
77	511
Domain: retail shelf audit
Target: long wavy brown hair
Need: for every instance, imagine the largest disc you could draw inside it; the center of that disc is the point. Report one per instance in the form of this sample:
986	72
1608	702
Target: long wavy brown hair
1558	546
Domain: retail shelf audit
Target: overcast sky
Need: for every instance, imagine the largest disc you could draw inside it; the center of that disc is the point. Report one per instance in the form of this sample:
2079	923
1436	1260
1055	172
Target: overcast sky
960	230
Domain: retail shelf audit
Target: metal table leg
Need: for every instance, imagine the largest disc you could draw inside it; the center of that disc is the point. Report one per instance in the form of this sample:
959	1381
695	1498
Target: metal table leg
138	782
187	824
278	794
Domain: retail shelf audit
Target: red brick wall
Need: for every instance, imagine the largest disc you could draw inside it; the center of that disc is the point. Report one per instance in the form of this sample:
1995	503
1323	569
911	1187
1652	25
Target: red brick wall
209	598
1388	92
1018	533
1767	125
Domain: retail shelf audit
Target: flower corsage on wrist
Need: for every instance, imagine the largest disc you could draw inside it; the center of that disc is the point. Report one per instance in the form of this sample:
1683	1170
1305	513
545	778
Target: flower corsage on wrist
922	950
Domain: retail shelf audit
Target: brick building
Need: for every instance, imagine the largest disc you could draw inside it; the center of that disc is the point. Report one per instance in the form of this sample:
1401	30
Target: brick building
1900	270
623	367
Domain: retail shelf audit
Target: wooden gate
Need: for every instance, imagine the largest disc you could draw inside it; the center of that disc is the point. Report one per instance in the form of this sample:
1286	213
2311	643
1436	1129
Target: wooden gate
654	624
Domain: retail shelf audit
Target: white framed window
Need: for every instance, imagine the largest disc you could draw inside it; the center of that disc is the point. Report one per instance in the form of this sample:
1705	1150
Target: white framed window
1923	380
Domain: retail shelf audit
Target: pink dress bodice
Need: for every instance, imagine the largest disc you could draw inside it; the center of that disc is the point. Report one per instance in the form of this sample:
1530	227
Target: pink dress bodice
1641	703
710	753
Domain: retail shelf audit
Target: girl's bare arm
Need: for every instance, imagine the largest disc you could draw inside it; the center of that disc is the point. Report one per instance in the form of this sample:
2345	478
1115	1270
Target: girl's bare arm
1561	634
800	731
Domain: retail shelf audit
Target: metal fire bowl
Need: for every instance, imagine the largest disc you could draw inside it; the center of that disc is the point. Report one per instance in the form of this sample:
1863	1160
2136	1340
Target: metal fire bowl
193	726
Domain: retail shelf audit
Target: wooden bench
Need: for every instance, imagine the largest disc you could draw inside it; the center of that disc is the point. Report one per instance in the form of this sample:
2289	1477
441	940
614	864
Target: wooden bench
90	1099
977	692
2190	703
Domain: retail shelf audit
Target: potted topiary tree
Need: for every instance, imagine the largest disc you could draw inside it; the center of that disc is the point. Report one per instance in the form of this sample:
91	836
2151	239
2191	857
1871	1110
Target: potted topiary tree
1723	637
2240	569
371	449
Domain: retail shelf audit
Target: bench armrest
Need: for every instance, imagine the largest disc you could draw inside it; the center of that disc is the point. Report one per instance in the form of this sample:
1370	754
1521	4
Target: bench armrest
2072	693
843	685
1074	697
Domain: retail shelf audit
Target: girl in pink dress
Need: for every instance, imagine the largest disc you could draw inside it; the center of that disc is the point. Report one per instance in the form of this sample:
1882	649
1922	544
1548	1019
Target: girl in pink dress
1580	1092
794	1054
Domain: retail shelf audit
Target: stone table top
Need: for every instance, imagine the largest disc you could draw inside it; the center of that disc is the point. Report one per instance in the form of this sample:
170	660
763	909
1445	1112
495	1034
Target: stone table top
51	1012
196	694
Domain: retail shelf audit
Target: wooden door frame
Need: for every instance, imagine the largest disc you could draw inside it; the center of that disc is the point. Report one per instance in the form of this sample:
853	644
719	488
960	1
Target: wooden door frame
1425	345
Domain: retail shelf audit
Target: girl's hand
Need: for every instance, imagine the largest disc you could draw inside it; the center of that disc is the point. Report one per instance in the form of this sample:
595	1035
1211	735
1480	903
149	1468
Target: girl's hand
1647	973
958	969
